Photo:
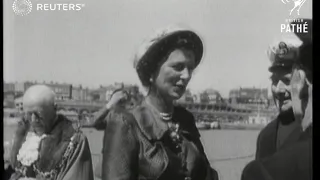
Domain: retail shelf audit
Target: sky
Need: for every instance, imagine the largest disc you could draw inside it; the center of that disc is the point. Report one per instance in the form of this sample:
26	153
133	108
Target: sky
95	46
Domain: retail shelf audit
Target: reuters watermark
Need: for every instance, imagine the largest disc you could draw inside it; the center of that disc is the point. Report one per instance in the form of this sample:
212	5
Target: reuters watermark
59	7
25	7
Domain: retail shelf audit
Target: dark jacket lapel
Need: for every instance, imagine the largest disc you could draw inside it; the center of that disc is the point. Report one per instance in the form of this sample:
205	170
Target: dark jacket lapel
53	146
297	135
292	138
267	140
149	122
151	125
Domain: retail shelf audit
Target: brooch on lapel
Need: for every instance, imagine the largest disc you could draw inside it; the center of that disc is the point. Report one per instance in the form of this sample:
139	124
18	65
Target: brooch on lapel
173	138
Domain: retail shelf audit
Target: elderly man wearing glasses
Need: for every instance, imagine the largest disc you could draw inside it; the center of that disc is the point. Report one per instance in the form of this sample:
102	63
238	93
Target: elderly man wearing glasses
46	146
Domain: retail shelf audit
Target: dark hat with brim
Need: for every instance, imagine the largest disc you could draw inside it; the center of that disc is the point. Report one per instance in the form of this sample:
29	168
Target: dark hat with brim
305	57
152	52
283	55
281	66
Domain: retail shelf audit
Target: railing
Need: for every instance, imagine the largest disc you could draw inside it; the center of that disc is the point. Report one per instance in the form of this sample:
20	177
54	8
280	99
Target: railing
219	108
81	103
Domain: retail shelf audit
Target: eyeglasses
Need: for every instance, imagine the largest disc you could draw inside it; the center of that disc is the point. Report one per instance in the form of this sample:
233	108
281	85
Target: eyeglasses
31	116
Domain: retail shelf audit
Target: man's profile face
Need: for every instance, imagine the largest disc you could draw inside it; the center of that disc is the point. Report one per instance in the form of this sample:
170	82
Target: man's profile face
281	89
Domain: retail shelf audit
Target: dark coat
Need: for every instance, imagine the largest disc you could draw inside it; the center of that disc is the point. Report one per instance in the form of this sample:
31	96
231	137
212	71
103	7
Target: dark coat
100	124
53	153
267	139
135	147
293	161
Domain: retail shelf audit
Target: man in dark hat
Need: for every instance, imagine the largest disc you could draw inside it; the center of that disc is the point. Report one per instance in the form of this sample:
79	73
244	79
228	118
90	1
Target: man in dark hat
302	79
294	161
283	129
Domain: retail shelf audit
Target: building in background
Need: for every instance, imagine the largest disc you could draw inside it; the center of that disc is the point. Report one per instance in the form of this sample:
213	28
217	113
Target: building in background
233	96
80	94
63	91
252	96
21	87
8	99
196	98
98	94
187	97
8	87
104	93
211	96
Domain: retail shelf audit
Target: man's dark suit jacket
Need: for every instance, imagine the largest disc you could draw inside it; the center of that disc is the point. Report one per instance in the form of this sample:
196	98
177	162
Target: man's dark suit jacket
292	161
267	139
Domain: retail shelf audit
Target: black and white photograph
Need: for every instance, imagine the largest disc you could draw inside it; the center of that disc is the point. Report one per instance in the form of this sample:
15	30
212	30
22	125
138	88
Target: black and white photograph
157	90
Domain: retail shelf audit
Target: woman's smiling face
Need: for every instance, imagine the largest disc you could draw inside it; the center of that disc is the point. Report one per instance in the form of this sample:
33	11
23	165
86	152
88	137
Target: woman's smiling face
174	74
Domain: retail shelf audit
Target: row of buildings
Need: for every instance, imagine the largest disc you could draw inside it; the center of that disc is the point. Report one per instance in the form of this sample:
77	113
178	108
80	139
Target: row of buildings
253	97
208	96
64	91
249	96
254	101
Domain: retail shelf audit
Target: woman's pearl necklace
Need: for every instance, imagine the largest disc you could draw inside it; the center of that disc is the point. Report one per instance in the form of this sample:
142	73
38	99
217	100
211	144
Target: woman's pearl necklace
166	116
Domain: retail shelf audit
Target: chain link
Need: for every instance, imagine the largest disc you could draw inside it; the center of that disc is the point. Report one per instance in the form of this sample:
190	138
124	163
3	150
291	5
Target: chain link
53	173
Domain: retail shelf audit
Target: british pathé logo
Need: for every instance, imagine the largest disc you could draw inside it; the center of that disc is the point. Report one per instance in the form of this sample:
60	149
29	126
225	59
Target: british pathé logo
294	25
297	4
22	7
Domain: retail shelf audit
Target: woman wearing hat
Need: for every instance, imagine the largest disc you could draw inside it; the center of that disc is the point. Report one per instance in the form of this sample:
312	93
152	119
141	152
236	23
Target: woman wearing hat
157	140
